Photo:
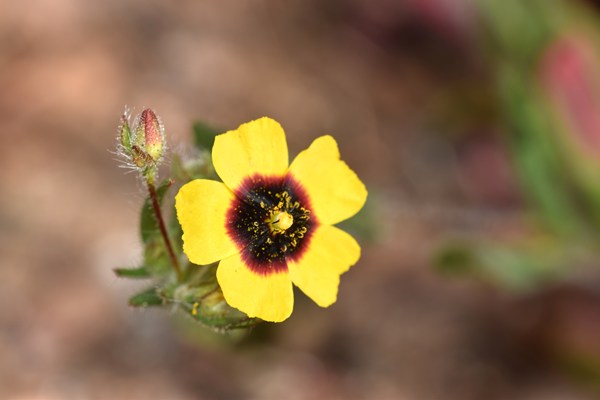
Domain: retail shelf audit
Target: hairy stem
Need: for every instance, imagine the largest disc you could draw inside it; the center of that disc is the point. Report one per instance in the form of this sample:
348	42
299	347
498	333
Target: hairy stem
163	229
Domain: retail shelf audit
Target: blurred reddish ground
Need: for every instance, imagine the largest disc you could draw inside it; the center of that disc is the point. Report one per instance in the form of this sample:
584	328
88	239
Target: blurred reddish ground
68	215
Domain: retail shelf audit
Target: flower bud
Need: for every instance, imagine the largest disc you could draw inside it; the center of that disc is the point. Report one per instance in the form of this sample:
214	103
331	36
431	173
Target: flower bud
141	146
153	134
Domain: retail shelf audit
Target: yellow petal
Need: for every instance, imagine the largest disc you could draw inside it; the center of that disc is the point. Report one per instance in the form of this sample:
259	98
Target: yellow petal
201	209
330	253
269	297
257	147
335	191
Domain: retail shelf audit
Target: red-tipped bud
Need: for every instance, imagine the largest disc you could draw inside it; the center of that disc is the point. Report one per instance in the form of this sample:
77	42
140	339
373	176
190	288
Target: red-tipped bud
142	146
153	134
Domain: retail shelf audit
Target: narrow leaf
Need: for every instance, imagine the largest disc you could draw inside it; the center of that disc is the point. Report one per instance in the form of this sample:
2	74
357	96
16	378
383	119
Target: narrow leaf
147	298
135	273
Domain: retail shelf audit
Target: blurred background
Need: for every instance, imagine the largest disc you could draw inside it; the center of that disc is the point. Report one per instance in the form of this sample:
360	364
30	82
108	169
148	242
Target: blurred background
474	123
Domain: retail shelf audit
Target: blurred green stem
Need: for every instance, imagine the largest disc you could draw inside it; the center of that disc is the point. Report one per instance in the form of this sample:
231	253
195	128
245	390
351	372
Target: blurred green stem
162	227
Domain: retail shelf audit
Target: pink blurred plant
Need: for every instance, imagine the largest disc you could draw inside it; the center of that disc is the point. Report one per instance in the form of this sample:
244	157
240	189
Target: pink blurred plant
570	74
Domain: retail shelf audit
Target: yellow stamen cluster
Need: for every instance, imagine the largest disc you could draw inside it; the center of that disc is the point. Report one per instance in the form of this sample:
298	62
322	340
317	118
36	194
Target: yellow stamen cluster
281	220
273	224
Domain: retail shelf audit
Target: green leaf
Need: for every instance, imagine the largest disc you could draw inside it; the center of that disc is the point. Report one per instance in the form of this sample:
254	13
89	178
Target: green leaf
156	257
148	225
212	311
519	267
175	232
148	298
204	135
205	303
135	273
535	154
456	259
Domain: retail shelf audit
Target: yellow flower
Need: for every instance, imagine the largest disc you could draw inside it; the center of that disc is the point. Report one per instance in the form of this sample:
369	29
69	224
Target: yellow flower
270	224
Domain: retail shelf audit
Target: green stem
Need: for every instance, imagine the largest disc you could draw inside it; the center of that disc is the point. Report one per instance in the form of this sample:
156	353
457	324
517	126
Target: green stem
163	229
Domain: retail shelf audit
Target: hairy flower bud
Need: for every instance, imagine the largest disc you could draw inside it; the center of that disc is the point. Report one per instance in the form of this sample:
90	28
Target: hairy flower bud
142	145
153	134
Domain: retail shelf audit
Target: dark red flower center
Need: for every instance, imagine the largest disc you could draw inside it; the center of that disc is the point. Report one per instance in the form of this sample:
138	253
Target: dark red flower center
271	222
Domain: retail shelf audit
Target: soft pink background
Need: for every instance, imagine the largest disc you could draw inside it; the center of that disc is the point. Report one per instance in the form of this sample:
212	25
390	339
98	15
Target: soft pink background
369	75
